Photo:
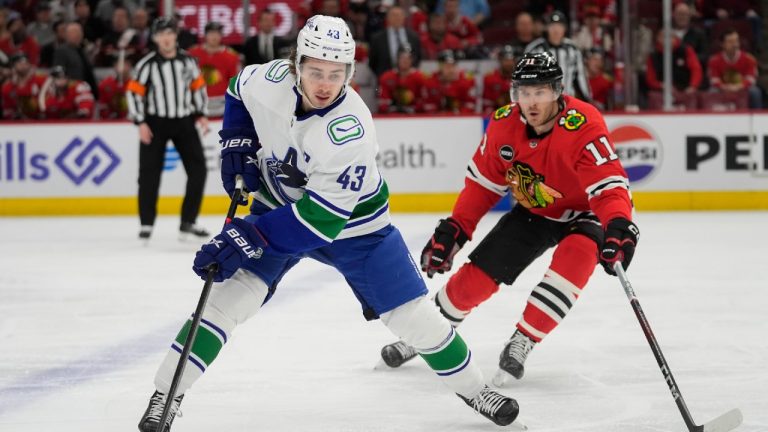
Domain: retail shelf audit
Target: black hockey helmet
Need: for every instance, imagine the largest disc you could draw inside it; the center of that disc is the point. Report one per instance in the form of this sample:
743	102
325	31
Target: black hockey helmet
536	68
164	23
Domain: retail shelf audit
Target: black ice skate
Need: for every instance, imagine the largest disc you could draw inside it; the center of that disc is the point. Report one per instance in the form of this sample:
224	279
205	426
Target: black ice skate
145	233
512	358
189	229
395	354
496	407
150	421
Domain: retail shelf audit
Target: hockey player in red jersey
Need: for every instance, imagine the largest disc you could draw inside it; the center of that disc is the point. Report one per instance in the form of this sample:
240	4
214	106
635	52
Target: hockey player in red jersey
496	82
401	89
64	98
449	89
554	153
20	94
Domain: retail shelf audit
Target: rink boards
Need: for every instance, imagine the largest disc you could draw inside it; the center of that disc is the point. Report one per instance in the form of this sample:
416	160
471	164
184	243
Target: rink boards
700	161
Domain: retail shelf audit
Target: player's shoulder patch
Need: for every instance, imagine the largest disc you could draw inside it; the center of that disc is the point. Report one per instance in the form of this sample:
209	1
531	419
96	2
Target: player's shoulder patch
277	71
344	129
503	112
572	120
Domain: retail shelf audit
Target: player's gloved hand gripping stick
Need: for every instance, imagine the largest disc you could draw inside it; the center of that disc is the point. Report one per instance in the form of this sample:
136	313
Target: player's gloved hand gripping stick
726	422
237	196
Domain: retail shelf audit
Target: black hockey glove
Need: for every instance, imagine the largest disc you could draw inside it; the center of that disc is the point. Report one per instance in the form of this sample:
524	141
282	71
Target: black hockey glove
621	237
437	256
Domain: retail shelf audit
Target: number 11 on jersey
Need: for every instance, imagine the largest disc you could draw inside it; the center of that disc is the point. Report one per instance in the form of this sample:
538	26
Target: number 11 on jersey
599	158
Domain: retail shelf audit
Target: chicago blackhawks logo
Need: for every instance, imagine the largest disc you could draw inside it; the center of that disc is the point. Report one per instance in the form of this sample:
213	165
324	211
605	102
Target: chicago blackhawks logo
572	120
502	112
528	187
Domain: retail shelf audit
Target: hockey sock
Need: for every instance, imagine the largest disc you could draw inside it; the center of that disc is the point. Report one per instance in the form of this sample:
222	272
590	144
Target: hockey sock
573	262
452	361
469	287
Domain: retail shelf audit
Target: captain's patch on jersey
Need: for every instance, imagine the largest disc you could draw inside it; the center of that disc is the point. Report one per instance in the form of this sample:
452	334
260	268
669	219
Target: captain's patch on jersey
502	112
507	153
345	129
572	120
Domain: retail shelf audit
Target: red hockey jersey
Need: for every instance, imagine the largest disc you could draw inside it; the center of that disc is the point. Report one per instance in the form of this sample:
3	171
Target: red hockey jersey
457	96
403	94
217	68
567	171
112	101
73	101
495	91
20	99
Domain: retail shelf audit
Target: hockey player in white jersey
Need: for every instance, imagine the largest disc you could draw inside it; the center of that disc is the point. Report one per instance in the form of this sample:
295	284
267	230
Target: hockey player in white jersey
306	146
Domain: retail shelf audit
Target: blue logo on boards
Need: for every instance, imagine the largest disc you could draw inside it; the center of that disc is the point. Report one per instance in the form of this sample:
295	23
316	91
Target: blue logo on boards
94	160
80	161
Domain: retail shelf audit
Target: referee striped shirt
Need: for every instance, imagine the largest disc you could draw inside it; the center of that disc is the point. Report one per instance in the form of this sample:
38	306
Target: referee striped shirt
166	88
569	58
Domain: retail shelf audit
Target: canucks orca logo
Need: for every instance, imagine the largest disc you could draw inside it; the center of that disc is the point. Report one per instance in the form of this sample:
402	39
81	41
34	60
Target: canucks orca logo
285	175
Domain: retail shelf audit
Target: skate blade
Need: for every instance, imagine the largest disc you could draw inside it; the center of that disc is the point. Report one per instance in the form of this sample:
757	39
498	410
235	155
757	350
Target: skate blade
382	366
502	378
516	425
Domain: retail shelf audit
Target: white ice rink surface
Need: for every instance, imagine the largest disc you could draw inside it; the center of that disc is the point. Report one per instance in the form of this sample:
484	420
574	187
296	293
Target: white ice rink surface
86	315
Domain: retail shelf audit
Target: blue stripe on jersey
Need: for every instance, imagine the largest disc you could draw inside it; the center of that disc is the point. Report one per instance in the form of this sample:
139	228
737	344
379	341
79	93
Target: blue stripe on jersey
378	188
328	204
285	233
235	114
357	222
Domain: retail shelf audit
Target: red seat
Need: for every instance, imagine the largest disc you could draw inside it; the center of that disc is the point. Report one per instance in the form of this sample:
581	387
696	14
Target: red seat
724	101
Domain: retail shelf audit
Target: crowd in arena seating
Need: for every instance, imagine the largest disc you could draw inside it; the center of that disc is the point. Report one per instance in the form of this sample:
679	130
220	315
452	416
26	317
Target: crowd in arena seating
73	58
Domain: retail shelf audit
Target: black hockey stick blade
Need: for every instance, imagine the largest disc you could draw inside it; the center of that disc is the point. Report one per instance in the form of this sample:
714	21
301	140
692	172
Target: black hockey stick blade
726	422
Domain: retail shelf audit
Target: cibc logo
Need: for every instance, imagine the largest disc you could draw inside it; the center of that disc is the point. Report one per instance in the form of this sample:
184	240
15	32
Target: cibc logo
639	151
93	160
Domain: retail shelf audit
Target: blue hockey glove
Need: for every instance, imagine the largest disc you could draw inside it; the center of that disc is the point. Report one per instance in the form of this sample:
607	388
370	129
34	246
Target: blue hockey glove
238	157
238	242
621	237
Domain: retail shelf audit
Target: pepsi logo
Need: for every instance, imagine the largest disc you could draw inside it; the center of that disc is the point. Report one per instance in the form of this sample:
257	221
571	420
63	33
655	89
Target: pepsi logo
639	150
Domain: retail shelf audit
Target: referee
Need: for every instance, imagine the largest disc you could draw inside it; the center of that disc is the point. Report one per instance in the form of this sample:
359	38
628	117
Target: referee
166	96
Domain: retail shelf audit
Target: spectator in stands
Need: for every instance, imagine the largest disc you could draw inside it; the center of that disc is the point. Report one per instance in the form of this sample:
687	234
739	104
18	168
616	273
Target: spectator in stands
401	90
600	82
567	54
385	43
65	98
686	73
683	29
20	41
112	101
721	10
418	17
496	83
449	89
140	23
105	9
265	45
592	34
523	31
5	72
478	11
330	8
71	56
20	93
464	29
733	71
437	38
185	39
42	27
93	28
121	39
46	52
5	35
218	64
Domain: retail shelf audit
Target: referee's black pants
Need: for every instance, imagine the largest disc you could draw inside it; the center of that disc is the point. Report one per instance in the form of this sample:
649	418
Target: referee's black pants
185	138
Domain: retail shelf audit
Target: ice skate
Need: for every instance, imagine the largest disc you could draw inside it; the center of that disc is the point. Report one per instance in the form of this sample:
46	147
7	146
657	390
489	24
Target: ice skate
150	421
395	354
496	407
145	232
512	358
189	230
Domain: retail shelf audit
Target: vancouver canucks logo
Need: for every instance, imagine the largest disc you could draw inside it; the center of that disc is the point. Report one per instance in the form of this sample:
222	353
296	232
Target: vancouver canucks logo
572	120
502	112
345	129
285	175
277	71
530	186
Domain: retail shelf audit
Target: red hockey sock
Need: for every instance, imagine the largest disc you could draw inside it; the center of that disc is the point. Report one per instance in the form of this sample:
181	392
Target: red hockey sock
469	287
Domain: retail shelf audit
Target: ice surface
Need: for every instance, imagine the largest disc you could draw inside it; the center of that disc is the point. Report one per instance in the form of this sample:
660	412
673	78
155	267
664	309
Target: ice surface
86	314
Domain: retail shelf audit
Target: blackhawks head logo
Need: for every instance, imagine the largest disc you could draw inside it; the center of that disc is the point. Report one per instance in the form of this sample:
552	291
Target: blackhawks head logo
572	120
502	112
528	187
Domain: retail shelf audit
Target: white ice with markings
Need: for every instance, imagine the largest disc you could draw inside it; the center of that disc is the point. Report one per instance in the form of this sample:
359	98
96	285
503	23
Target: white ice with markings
87	313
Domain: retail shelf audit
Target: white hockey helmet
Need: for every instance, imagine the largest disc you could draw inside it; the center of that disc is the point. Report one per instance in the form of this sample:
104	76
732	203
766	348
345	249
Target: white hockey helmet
326	38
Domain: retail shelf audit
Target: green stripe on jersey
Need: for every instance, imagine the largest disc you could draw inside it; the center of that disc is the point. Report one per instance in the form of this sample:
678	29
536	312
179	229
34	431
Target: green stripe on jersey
232	89
327	223
370	206
449	357
207	345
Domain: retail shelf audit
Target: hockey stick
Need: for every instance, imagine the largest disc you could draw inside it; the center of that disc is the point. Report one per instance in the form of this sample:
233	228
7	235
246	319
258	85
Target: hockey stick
726	422
239	188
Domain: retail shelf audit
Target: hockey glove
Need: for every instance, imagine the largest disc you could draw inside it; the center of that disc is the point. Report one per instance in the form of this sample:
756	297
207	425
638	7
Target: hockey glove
621	237
238	157
238	242
437	256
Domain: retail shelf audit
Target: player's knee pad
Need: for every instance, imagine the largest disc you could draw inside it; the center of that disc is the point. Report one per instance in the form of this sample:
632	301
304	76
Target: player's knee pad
418	323
235	300
575	259
469	287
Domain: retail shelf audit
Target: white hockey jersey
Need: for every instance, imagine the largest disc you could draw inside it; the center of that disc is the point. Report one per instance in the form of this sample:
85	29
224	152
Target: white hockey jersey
323	163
